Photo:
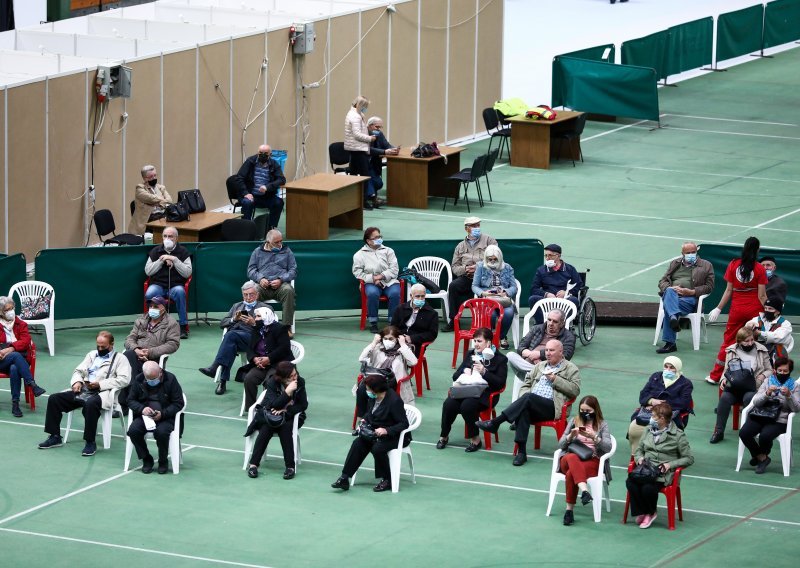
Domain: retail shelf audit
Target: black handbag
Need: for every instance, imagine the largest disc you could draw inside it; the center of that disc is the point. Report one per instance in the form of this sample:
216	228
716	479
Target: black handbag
644	472
466	391
270	419
194	199
643	415
767	412
412	276
177	212
740	379
367	432
580	449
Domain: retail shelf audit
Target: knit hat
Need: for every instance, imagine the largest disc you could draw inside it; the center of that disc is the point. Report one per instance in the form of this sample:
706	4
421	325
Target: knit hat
775	303
675	362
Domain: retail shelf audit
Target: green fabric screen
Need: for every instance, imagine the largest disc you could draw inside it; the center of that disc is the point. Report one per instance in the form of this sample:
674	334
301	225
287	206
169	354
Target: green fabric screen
781	22
690	46
648	51
605	88
739	32
12	270
591	53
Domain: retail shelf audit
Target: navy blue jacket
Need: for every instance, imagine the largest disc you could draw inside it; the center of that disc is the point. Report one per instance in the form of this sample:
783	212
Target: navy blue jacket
553	281
679	395
247	178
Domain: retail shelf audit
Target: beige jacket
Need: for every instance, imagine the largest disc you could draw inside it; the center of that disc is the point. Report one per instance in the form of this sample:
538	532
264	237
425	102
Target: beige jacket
566	386
470	254
164	338
117	378
368	261
146	199
356	136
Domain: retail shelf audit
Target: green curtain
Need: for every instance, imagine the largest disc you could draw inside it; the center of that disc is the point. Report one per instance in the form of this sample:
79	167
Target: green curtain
739	32
591	53
781	22
690	46
12	270
649	51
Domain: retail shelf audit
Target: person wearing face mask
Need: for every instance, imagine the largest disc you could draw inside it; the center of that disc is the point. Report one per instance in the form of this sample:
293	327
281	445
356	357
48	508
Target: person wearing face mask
357	138
555	279
416	319
592	431
151	199
465	260
667	448
388	350
494	279
776	286
667	385
15	341
484	362
274	268
101	371
779	387
168	267
387	417
772	329
257	183
377	150
239	326
376	265
155	398
687	278
745	357
269	345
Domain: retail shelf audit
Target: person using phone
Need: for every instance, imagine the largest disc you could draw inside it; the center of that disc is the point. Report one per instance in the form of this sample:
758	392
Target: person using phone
494	279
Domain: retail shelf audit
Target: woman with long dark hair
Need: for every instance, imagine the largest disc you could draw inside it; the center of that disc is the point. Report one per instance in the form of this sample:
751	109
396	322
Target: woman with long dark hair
747	291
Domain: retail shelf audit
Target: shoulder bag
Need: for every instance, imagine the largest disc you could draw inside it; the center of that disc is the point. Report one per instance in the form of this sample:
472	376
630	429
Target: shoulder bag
740	380
177	212
194	199
644	472
767	412
642	416
580	449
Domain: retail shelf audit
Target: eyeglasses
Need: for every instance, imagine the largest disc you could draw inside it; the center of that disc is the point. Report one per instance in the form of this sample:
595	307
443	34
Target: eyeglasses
551	255
373	237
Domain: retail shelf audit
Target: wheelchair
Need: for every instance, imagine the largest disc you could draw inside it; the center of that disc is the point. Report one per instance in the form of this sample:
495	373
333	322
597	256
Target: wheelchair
586	319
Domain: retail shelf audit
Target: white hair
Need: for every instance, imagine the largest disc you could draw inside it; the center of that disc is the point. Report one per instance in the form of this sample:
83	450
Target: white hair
248	285
147	169
373	119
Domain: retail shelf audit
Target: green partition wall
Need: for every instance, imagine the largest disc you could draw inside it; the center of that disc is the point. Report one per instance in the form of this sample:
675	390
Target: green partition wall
690	46
739	32
648	51
781	22
12	270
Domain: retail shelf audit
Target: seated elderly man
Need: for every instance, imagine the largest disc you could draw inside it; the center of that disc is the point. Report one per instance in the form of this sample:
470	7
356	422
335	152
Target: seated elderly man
772	329
15	341
151	199
377	150
92	385
273	267
555	279
687	278
169	266
240	324
269	346
547	387
416	319
776	286
156	398
257	183
531	350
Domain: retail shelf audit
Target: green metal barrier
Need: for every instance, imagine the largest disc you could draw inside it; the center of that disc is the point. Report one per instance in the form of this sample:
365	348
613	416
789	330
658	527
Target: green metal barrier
12	270
648	51
781	22
690	46
739	32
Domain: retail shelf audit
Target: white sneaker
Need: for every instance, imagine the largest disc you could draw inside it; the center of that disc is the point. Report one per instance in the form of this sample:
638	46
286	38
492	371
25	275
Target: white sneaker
711	381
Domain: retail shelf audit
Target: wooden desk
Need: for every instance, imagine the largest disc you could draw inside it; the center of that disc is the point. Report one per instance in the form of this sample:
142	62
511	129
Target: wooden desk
200	227
409	181
314	202
530	139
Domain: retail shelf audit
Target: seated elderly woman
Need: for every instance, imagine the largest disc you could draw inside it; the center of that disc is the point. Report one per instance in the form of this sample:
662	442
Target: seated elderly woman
379	433
669	386
416	319
667	448
747	365
494	279
777	396
376	265
15	341
482	372
151	200
590	430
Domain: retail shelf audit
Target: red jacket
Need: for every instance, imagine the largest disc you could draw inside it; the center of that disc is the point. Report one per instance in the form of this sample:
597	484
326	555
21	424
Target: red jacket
23	342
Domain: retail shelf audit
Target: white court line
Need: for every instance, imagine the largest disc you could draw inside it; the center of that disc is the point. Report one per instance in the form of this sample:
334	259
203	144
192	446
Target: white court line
729	119
637	273
673	171
748	134
615	130
133	548
776	219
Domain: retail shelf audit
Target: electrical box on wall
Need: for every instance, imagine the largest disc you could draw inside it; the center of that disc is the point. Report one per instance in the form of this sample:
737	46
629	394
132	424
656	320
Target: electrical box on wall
302	38
114	81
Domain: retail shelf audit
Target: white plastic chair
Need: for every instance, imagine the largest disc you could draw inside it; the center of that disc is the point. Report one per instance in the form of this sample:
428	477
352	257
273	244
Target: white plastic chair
515	321
106	421
697	319
784	441
174	441
414	416
250	440
31	290
294	317
298	351
431	267
598	486
242	358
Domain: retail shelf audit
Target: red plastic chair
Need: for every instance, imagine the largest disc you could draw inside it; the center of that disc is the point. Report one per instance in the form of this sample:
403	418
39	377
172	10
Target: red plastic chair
185	290
383	298
482	310
559	425
419	368
397	390
489	414
736	410
31	359
673	494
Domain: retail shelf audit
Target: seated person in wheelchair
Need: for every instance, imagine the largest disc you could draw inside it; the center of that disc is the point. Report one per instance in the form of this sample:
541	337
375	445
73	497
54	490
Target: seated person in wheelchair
494	279
555	279
773	330
530	351
687	278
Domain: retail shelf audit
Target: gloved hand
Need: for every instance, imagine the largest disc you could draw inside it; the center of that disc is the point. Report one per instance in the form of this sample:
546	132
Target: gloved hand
714	314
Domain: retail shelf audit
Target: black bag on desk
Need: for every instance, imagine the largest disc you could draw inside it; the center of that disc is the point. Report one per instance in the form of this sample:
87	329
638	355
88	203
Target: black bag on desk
194	199
177	212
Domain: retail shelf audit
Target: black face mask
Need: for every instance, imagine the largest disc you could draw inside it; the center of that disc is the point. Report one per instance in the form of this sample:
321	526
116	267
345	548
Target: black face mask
747	347
769	316
152	182
263	157
781	377
103	352
587	417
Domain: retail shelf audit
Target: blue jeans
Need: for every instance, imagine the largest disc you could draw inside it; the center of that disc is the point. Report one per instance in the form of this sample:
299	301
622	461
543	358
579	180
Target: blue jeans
271	202
675	305
17	369
508	317
374	292
232	343
177	294
374	183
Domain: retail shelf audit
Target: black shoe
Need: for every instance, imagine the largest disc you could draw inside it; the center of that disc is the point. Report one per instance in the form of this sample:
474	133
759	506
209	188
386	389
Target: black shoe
89	449
441	444
37	390
586	498
147	464
674	324
252	472
163	467
15	409
716	437
448	327
487	426
504	343
210	372
762	466
116	414
221	387
383	485
520	458
53	441
373	327
473	447
512	427
668	348
569	518
288	473
342	483
185	331
753	461
354	432
378	202
368	206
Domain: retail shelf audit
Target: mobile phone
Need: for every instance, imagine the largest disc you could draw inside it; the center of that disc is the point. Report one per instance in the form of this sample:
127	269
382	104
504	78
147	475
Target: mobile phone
582	428
239	314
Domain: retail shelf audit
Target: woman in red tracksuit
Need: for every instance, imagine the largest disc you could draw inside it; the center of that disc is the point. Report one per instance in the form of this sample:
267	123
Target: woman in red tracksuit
747	291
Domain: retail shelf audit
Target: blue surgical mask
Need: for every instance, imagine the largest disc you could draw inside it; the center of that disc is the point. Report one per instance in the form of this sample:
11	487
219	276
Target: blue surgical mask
277	249
374	132
475	232
154	313
372	394
377	242
769	274
153	382
418	303
653	423
249	305
668	375
690	258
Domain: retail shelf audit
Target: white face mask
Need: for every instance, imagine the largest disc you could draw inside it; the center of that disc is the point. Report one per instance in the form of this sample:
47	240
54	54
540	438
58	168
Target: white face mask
389	343
9	315
549	263
169	244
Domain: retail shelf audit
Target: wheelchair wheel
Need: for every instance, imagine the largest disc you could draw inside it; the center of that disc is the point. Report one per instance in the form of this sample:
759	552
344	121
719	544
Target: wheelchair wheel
587	320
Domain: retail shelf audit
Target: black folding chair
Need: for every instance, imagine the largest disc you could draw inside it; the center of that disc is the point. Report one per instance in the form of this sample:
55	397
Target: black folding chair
338	156
238	230
234	186
569	136
467	176
493	128
104	223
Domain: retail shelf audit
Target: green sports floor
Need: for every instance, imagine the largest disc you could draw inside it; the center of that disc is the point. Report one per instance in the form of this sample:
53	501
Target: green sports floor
725	166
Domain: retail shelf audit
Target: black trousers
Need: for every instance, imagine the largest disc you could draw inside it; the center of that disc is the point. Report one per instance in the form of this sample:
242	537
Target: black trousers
287	443
524	411
62	402
136	368
767	432
252	380
459	291
726	402
359	164
379	449
644	497
137	431
468	408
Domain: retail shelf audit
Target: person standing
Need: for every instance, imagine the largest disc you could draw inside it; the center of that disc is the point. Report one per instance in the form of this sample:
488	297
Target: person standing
357	139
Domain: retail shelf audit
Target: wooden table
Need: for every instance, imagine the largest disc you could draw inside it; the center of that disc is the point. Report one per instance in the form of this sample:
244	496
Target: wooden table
530	139
201	227
314	202
409	181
